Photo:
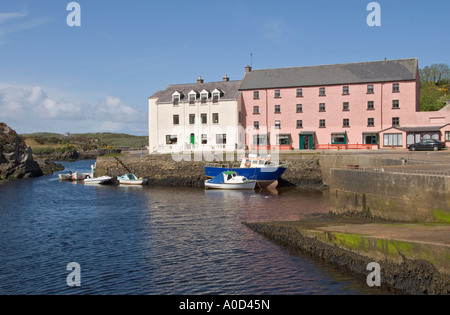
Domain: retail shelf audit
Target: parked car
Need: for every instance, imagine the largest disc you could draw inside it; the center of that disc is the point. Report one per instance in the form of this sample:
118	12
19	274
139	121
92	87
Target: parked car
426	145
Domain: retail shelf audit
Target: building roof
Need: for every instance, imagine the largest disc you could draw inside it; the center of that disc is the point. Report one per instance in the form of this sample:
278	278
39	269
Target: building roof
230	90
351	73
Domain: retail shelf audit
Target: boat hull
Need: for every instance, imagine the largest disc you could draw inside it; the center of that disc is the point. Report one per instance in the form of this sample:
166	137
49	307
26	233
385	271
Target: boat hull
132	182
98	180
241	186
264	176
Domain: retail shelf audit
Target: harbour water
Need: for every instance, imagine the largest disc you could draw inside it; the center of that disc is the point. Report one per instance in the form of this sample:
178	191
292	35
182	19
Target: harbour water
156	241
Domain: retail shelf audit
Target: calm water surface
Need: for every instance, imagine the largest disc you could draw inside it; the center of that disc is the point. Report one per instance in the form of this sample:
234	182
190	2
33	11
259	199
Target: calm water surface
147	240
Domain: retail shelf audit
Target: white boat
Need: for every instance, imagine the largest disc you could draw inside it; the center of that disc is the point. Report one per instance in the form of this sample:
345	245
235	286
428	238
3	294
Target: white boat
67	176
131	179
98	180
230	180
73	176
79	176
91	179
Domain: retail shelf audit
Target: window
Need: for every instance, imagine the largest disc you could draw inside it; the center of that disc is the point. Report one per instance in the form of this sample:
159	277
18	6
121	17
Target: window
204	97
204	139
260	140
299	124
322	91
395	88
171	140
175	99
370	89
447	136
204	118
277	124
299	108
277	109
192	97
339	138
277	94
346	106
191	119
395	104
396	121
284	140
322	123
370	122
256	95
255	109
299	92
176	119
346	122
216	96
370	105
321	107
393	140
346	90
256	125
215	118
221	139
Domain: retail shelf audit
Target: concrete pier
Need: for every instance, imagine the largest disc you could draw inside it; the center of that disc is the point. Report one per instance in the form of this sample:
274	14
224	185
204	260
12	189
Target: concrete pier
414	258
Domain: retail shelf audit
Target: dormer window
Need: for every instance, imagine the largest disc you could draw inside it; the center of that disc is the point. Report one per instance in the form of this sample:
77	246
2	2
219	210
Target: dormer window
176	97
192	97
216	95
204	95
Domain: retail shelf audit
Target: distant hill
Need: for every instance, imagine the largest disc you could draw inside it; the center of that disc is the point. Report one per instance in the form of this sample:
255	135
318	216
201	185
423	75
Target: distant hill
44	141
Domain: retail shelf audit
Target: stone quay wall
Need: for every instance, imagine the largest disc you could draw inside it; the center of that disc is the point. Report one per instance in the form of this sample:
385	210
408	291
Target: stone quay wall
166	170
391	195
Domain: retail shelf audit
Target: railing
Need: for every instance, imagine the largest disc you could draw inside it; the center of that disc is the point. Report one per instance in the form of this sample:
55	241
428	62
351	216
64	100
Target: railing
347	146
400	170
271	147
175	148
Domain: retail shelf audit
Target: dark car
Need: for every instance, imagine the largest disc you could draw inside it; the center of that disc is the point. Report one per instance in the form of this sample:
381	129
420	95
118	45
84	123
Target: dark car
426	145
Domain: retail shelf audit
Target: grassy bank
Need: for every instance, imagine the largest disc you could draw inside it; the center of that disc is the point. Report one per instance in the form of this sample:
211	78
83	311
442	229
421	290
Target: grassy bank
47	143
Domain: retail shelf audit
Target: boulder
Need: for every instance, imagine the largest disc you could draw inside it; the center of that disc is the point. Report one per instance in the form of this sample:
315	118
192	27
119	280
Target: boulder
16	158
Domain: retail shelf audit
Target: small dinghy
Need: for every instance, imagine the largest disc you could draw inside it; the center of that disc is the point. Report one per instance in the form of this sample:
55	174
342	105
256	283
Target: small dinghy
230	180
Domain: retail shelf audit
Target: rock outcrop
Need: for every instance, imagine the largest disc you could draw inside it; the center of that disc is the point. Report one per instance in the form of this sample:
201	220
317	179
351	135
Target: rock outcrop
16	158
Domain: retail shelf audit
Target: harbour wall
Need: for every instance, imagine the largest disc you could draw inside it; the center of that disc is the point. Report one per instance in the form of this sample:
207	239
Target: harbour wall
406	266
391	195
168	170
332	161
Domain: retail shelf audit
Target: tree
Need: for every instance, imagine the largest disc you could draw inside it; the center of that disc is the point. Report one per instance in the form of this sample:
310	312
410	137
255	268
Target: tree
438	73
434	86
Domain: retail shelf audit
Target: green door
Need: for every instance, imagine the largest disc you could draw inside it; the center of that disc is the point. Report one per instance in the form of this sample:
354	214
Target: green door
192	139
306	142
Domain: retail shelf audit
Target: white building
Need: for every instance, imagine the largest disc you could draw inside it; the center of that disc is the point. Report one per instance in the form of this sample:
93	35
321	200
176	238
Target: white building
201	116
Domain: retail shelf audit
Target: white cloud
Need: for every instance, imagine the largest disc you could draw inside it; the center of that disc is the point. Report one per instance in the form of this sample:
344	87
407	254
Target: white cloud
13	22
31	109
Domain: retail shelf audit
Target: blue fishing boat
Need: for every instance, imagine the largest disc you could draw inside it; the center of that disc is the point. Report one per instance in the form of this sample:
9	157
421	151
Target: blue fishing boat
265	171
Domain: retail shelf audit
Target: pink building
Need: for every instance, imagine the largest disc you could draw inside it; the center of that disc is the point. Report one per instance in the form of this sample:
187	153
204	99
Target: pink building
343	106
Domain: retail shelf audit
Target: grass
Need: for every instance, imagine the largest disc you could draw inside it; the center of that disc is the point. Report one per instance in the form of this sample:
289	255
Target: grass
46	142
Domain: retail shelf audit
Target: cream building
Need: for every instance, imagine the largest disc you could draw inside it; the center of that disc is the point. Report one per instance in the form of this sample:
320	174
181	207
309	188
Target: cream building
200	116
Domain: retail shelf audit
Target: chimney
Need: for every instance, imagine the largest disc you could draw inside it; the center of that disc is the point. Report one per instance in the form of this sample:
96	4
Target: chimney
200	80
248	69
226	78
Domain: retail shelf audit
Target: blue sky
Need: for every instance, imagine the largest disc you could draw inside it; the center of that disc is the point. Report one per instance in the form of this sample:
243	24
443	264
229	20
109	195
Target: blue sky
98	77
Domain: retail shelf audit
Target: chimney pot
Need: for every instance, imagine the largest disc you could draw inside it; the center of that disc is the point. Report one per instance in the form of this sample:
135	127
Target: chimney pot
200	80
